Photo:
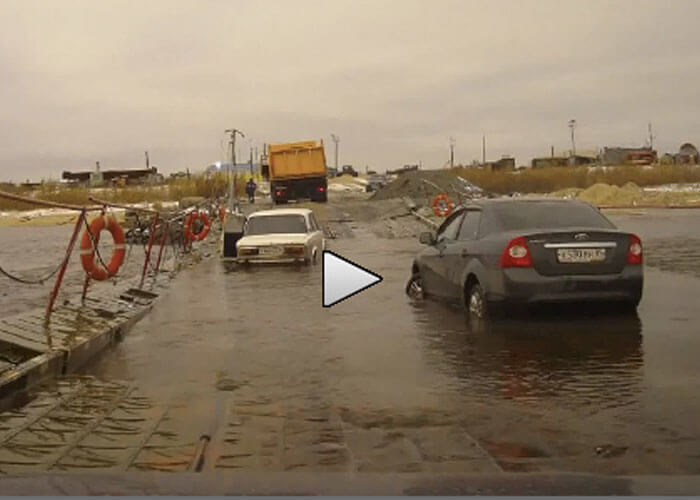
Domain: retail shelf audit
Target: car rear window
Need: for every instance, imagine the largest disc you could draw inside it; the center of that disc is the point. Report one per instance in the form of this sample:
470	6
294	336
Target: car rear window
275	224
544	215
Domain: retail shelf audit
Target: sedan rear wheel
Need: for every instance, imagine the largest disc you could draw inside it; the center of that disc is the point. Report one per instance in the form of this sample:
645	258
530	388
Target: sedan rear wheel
414	287
476	302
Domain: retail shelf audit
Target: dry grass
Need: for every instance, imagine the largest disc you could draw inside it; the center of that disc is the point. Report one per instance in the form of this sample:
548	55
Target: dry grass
546	180
212	186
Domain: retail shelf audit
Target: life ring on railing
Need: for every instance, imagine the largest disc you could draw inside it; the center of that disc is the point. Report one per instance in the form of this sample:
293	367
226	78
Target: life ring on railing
189	221
91	234
442	206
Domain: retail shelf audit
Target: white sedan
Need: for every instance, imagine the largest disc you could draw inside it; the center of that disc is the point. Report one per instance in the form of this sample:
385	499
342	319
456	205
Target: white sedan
279	236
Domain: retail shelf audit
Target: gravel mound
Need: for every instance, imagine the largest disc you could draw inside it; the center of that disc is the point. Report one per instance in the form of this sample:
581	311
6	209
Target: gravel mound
412	184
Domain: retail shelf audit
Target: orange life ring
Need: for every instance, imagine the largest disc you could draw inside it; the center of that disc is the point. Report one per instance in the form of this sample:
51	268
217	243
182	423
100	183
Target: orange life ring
87	251
442	206
189	220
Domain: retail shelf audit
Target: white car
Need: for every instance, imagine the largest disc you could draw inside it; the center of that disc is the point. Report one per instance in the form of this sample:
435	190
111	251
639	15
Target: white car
279	236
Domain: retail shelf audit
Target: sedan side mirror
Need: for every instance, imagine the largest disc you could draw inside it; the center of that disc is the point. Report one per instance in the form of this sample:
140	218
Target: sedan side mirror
427	238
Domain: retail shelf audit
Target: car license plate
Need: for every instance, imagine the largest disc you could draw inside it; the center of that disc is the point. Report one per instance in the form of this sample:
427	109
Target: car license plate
580	255
271	251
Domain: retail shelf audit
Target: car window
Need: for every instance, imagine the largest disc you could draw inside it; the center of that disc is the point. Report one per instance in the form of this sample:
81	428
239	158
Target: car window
548	215
276	224
470	225
313	223
450	227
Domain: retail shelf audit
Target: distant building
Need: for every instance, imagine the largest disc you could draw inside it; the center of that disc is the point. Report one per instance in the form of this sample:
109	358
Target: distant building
578	160
98	177
505	164
550	161
687	155
628	156
668	159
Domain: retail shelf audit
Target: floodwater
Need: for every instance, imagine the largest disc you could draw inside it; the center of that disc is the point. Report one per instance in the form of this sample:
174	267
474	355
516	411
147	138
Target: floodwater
35	252
377	383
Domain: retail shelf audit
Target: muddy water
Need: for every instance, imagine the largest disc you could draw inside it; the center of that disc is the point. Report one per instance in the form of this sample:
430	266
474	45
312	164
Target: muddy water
377	383
34	252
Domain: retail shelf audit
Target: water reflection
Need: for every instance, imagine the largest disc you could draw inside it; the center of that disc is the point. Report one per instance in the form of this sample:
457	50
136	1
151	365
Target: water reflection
578	358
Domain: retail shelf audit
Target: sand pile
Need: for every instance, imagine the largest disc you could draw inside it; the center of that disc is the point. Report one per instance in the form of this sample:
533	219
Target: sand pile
605	194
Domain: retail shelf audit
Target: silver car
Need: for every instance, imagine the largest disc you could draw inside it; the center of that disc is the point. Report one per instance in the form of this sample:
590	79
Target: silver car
281	236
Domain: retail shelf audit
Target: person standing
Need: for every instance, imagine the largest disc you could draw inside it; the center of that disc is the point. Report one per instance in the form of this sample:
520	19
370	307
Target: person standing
250	188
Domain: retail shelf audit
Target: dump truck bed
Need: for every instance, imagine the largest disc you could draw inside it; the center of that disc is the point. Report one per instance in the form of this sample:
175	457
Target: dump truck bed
297	160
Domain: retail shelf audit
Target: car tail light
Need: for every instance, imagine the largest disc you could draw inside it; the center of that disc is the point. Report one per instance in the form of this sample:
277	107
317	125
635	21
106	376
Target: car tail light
516	254
279	193
247	251
634	252
321	189
294	250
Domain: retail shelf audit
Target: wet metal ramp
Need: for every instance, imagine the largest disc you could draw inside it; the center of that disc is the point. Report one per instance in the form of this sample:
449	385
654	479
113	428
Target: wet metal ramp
83	424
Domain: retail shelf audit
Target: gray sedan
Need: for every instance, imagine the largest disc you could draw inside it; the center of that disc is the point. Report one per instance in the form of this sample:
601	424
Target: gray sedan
500	252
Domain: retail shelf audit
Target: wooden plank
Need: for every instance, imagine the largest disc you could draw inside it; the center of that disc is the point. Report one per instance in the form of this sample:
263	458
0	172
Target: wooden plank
36	323
21	338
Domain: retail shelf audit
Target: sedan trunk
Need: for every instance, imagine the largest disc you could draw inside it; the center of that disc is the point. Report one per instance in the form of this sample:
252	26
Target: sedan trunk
581	252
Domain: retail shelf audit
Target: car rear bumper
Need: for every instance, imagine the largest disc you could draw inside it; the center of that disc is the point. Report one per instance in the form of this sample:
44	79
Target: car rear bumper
527	286
275	260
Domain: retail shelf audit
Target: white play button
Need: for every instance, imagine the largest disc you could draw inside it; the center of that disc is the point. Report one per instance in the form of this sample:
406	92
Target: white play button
343	278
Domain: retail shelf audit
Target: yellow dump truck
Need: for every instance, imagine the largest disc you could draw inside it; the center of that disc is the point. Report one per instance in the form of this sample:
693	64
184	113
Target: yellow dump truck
296	170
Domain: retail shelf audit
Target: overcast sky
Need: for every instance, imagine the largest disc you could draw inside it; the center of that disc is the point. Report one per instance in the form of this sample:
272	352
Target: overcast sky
82	81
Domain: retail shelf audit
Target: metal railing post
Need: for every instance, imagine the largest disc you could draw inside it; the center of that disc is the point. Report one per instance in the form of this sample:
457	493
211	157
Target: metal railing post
147	260
166	234
64	265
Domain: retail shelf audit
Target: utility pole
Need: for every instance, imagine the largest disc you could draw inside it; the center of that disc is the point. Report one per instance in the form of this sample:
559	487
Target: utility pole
233	200
572	126
148	165
483	149
251	161
336	140
651	138
452	152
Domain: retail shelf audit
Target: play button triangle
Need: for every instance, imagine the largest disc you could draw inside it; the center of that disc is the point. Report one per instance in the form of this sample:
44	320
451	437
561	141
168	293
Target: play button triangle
343	278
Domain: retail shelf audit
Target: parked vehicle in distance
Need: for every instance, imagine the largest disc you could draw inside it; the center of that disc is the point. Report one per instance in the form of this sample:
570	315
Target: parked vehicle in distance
296	171
281	236
348	170
501	252
375	182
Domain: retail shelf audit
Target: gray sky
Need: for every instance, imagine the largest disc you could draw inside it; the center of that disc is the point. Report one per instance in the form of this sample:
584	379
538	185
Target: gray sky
82	81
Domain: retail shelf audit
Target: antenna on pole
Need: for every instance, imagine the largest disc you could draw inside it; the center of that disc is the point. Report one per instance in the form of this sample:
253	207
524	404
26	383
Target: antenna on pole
233	199
452	152
483	148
